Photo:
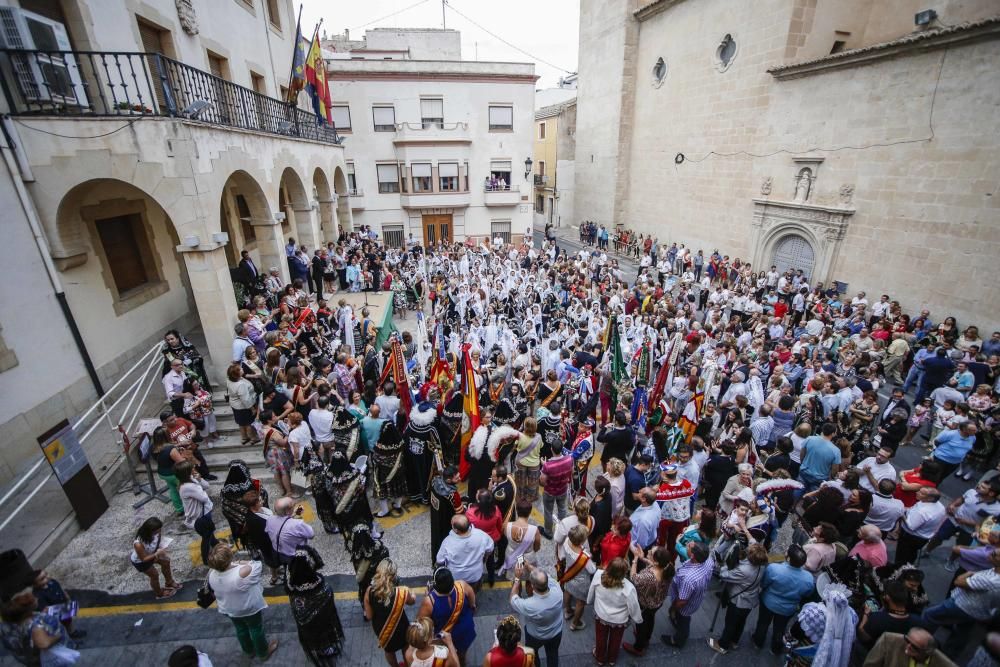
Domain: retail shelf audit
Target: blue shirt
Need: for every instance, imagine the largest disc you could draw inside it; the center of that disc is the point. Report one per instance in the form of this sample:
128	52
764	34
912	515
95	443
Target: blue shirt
784	587
634	481
645	521
952	447
541	614
820	455
371	429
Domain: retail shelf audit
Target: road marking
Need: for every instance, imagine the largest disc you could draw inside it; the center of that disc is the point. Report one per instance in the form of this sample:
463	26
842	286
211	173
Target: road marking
156	607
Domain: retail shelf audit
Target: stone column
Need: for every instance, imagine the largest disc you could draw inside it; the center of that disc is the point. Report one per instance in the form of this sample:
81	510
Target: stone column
271	246
328	220
306	226
208	271
344	220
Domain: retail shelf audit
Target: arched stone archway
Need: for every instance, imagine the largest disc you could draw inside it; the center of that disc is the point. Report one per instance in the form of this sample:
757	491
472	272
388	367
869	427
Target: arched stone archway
326	201
123	265
300	217
247	217
820	228
345	221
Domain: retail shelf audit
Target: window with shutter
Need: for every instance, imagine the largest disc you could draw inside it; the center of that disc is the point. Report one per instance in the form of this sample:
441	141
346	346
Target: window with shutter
385	119
421	175
121	239
341	118
501	117
388	177
432	113
448	175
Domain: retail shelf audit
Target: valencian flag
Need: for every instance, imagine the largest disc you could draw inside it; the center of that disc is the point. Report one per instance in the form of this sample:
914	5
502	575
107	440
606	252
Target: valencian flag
471	407
316	83
396	368
688	421
440	370
301	49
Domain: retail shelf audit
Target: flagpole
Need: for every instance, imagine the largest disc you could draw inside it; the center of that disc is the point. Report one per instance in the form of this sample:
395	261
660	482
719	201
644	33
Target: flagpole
295	47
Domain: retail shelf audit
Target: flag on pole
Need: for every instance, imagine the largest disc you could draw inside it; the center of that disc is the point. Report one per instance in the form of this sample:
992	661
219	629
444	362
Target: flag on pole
441	369
470	406
300	48
688	420
422	355
316	83
396	368
640	397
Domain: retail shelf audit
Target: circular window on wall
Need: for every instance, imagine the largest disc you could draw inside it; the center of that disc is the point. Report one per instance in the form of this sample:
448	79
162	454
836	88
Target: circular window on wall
725	53
659	72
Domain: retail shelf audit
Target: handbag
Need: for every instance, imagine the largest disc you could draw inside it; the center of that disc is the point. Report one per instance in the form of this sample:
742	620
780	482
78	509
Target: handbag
206	596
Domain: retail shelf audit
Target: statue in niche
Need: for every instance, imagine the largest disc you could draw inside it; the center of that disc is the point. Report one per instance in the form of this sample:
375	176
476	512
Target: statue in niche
188	19
803	185
765	186
846	194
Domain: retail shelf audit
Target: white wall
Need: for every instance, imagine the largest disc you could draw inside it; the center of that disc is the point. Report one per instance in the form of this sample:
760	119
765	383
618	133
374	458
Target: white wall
422	43
565	210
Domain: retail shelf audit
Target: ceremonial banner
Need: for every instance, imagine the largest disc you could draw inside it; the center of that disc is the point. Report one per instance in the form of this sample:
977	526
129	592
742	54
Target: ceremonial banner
617	362
470	394
316	83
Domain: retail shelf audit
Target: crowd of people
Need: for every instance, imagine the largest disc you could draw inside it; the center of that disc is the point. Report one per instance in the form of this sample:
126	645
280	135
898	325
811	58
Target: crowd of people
706	435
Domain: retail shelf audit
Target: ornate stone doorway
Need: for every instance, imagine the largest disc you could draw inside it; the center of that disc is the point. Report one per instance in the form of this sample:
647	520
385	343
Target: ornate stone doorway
794	252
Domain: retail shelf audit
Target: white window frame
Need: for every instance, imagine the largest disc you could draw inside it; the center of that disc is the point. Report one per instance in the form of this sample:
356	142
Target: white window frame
501	127
379	171
346	109
444	169
383	127
426	119
422	177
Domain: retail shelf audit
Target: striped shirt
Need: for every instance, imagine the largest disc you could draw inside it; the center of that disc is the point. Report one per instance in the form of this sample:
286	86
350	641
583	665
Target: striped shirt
690	584
981	598
558	472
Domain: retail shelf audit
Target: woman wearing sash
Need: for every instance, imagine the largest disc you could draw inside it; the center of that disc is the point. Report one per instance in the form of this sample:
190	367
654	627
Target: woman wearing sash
523	539
425	650
450	605
315	613
384	604
509	652
276	452
577	571
527	461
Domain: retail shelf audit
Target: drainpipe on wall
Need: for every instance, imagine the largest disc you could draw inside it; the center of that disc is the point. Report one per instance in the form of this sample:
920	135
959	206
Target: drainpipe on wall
28	205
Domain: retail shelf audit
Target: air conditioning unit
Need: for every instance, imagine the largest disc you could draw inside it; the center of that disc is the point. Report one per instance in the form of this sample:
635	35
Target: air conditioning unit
51	76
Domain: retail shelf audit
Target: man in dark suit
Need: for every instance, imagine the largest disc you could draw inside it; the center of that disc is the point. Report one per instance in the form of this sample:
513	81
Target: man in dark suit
937	370
895	401
248	268
318	269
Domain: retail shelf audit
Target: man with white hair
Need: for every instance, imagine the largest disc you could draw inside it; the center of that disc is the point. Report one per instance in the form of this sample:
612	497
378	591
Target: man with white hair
870	547
286	529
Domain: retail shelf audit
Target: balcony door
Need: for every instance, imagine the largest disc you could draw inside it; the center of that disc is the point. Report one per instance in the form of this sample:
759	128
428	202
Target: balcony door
437	228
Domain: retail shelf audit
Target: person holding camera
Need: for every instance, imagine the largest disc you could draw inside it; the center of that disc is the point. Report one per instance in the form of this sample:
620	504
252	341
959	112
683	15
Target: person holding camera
239	594
740	595
286	529
428	649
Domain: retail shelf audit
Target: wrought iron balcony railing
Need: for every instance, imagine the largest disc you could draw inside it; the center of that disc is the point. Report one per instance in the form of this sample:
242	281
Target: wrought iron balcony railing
104	84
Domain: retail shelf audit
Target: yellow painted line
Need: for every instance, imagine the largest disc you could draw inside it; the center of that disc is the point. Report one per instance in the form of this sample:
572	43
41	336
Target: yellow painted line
156	607
194	546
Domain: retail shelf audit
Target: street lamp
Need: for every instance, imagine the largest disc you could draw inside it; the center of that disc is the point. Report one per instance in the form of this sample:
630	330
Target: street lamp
527	168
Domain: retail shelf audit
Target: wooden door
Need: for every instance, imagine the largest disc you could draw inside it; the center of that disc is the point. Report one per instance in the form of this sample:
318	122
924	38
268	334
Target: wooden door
437	228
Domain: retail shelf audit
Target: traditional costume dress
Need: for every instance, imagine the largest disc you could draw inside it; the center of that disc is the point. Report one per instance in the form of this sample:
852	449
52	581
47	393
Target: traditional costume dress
582	451
247	528
313	608
367	551
422	441
479	459
315	471
450	427
389	620
550	428
346	486
346	433
453	613
388	475
445	502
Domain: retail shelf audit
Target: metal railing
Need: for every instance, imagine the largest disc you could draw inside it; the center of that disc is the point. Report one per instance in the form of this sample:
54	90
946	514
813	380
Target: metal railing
541	179
105	84
447	127
498	188
355	192
108	412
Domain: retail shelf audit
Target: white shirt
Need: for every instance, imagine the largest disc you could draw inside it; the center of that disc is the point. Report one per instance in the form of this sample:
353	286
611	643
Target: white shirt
614	605
322	424
195	499
463	555
173	384
238	596
879	471
923	519
300	437
885	512
388	406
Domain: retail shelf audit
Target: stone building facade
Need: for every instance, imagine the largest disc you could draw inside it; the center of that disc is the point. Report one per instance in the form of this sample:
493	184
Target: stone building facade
839	138
143	196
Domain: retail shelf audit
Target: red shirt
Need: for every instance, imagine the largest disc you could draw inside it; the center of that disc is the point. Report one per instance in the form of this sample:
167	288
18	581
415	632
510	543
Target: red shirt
489	525
181	432
780	309
909	498
614	546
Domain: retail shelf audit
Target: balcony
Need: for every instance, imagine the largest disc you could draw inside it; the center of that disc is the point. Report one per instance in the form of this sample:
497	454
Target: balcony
510	195
431	133
541	180
435	199
134	86
357	199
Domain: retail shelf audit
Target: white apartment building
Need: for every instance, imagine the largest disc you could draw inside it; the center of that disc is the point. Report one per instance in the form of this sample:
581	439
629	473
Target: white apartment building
436	147
146	144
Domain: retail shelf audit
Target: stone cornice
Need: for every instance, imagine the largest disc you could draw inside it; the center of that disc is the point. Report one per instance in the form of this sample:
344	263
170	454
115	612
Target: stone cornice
916	42
654	8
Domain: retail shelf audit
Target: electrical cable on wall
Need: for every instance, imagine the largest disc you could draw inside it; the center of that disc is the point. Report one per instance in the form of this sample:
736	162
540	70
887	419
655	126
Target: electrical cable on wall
70	136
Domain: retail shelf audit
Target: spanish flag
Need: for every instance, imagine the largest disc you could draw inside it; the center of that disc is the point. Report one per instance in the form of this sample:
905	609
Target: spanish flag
316	83
470	394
